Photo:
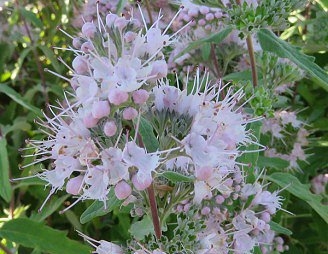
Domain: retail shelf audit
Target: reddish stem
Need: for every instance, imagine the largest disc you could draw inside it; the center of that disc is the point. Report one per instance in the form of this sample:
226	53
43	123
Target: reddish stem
154	211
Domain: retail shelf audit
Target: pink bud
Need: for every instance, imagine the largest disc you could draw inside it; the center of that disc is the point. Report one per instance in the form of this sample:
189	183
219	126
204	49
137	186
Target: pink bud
89	121
203	173
100	109
202	22
265	216
80	65
110	19
74	184
122	190
205	210
141	184
209	16
87	47
140	96
117	97
77	42
204	9
219	199
208	27
110	128
130	113
89	29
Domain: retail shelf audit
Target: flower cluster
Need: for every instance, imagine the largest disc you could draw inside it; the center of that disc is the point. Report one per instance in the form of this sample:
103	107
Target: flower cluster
285	127
127	130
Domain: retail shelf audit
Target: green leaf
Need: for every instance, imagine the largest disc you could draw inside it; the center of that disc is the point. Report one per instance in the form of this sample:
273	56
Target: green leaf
5	187
38	236
147	134
97	208
176	177
31	17
237	76
279	229
213	38
206	51
120	5
295	187
142	228
19	99
270	42
276	163
52	206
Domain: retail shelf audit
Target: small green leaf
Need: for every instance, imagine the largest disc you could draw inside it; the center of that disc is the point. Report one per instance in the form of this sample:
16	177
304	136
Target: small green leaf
142	228
270	42
213	38
206	51
19	99
279	229
176	177
97	208
302	191
5	187
147	134
38	236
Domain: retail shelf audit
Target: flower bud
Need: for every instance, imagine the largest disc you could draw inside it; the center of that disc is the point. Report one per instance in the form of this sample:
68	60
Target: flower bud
77	42
130	113
140	96
89	121
117	97
89	29
110	128
141	184
100	109
80	65
87	47
110	19
122	190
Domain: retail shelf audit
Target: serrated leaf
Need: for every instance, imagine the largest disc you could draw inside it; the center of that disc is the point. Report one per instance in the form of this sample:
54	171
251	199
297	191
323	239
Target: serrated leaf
142	228
270	42
19	99
301	191
276	163
38	236
213	38
147	134
97	208
279	229
176	177
5	187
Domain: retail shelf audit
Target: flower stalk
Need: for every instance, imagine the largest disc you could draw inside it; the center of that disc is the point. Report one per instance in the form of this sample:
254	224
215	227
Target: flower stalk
154	211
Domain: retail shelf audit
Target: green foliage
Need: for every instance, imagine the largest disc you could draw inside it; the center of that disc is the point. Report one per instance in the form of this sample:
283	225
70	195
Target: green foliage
40	237
270	42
